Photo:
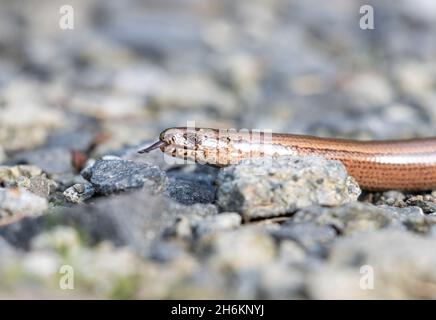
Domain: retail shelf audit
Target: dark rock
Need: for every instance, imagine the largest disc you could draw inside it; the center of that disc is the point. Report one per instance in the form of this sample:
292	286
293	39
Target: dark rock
193	184
135	219
190	190
111	176
20	233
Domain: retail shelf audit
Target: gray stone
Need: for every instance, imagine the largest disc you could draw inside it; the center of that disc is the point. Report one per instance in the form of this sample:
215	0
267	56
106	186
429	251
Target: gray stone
190	191
192	184
222	221
351	218
188	217
401	264
135	219
414	219
313	238
86	172
16	203
79	192
111	176
66	180
262	188
39	185
240	250
195	211
392	198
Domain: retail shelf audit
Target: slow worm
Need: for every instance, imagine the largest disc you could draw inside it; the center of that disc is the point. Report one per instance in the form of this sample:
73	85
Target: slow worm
408	165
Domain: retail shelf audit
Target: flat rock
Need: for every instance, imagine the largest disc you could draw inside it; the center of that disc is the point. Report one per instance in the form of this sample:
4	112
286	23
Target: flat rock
260	188
115	175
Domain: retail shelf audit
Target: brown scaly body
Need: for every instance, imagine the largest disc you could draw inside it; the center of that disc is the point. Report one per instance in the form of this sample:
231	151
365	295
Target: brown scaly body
376	165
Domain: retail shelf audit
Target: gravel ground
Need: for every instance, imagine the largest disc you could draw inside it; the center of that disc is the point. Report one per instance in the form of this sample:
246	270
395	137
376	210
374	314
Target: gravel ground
75	105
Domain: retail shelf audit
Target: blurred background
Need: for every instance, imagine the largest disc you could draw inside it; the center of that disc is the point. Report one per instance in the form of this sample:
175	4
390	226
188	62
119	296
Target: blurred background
133	68
130	69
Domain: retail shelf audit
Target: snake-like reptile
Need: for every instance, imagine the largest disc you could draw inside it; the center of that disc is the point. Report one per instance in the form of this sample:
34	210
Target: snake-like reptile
376	165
